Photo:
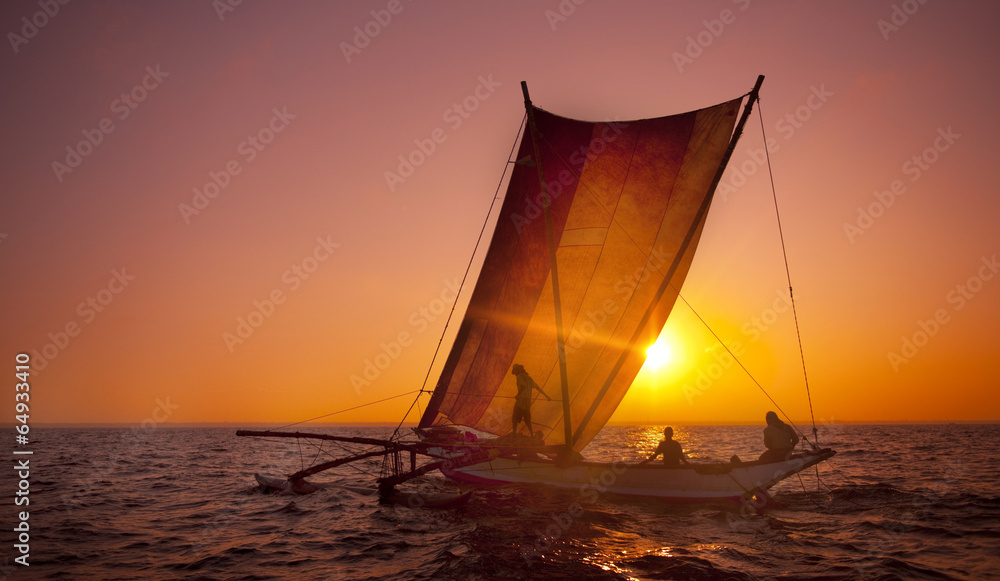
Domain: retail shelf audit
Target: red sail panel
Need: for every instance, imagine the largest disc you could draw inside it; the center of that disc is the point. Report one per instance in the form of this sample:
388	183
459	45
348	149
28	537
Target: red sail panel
624	196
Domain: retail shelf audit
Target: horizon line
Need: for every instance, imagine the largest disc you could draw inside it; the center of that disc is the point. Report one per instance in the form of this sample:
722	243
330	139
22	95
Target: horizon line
228	424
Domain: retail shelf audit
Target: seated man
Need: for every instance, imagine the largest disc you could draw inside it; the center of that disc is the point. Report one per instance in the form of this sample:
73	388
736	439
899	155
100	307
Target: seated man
671	449
779	439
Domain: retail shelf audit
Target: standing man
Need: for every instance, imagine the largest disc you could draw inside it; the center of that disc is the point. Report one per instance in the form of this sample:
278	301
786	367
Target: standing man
522	402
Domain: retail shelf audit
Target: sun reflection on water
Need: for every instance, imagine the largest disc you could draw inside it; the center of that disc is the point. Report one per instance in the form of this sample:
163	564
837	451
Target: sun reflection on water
647	438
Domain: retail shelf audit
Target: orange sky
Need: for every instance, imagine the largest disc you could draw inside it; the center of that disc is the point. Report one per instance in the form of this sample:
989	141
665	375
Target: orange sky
130	287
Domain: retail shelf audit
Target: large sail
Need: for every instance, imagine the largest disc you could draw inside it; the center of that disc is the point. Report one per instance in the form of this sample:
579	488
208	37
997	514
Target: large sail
625	197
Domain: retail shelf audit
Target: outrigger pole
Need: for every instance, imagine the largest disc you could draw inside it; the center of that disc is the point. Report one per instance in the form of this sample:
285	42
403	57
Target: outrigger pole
550	235
388	447
385	484
353	440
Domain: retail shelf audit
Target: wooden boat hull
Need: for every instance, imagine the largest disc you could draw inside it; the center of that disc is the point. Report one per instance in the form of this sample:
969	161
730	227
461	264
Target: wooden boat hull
686	483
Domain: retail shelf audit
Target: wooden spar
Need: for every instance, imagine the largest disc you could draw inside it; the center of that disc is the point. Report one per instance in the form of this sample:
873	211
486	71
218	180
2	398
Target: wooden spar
550	235
420	448
752	98
702	210
472	454
483	453
386	484
334	463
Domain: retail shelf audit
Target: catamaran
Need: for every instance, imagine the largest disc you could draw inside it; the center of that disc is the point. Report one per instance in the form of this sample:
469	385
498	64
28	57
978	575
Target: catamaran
594	238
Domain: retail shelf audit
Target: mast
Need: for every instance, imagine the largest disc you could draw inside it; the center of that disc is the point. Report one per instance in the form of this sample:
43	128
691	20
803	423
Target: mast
702	210
550	235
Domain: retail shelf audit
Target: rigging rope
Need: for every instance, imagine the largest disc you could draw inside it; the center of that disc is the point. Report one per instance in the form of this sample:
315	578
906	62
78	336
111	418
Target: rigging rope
422	390
464	278
319	452
738	362
788	275
327	454
346	410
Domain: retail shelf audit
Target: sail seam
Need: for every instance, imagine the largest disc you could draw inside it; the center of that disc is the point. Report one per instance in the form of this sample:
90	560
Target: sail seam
611	217
617	369
628	171
592	194
698	218
700	147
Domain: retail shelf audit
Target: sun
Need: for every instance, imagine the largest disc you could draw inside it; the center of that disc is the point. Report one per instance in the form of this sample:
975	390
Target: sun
658	354
667	360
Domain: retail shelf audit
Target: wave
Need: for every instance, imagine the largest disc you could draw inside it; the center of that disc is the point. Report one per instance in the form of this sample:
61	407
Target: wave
888	514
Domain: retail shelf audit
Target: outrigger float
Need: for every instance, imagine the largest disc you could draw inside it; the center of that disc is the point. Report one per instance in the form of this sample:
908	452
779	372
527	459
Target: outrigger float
599	217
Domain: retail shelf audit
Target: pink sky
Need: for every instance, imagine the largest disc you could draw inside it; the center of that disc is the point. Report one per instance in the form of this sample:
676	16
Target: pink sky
299	118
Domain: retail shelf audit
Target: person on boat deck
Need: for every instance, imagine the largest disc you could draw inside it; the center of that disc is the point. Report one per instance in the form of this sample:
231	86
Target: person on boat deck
671	449
522	402
779	439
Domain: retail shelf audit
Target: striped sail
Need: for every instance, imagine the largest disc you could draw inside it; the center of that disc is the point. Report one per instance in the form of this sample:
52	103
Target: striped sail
625	196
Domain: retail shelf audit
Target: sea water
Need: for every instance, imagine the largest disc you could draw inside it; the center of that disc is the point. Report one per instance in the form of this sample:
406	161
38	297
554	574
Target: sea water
896	502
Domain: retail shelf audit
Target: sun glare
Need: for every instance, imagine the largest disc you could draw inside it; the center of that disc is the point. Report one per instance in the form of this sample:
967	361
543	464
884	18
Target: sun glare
658	354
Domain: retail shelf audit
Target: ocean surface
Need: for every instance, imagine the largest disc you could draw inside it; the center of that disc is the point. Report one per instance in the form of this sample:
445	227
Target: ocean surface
897	502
